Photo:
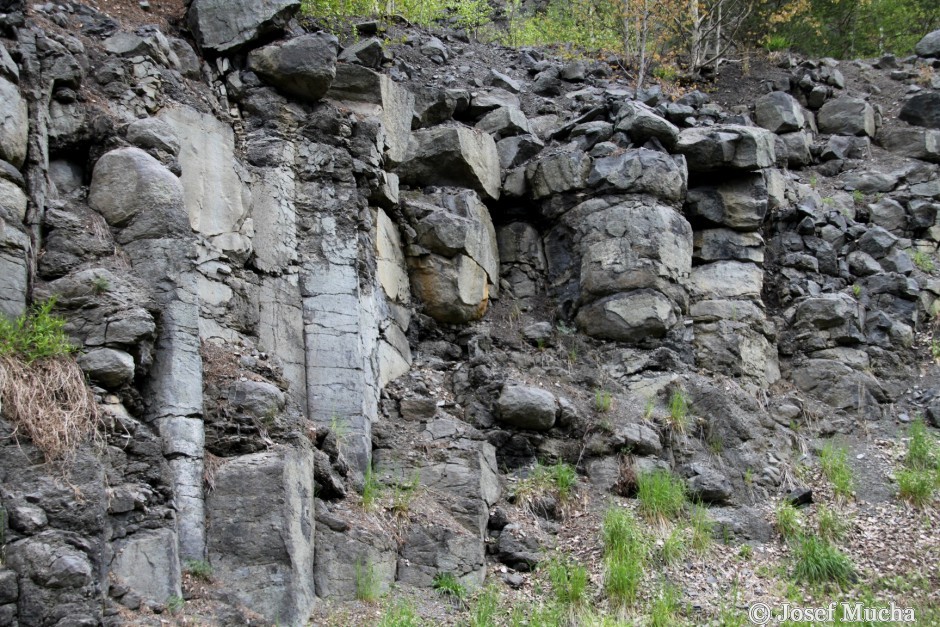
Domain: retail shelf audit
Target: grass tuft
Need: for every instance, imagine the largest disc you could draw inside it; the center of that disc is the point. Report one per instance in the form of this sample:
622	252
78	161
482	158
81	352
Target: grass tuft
830	525
661	495
569	580
402	614
664	611
484	608
368	588
818	561
788	521
625	555
835	466
447	584
199	569
678	411
371	490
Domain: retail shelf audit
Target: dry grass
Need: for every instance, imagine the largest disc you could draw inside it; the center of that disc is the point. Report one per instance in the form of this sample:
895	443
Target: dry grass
48	401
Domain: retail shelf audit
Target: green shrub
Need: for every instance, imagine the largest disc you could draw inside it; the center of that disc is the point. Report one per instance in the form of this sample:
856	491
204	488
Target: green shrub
665	609
569	580
175	604
924	261
916	486
923	452
675	546
776	43
558	479
36	334
661	495
817	561
835	466
702	526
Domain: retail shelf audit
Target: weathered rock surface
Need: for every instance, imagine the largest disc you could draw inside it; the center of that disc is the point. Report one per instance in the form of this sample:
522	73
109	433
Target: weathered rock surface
14	124
455	156
729	147
303	67
525	407
847	116
221	26
922	110
779	112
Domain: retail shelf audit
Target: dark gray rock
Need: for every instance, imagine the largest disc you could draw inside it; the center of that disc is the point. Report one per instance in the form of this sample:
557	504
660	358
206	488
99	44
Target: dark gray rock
847	116
484	102
641	171
504	122
517	150
846	147
918	143
453	155
433	106
797	149
153	133
779	112
525	407
707	484
889	214
303	67
348	550
731	147
429	549
740	204
225	25
630	317
14	124
558	173
518	550
922	110
498	79
368	52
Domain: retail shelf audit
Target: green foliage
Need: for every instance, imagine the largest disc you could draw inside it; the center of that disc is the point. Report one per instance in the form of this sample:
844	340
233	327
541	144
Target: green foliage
664	611
404	493
625	555
402	614
776	43
36	334
371	489
448	585
675	546
603	400
649	408
100	285
788	521
916	486
858	197
746	552
661	495
835	466
923	452
830	525
579	24
175	604
569	580
924	261
818	561
702	526
666	73
856	290
368	587
559	479
920	477
678	411
484	608
199	569
935	350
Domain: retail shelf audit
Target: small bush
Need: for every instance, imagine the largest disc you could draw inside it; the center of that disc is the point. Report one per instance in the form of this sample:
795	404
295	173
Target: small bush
174	604
787	520
43	390
746	552
923	452
776	43
199	569
835	466
558	479
569	580
661	495
675	546
368	588
603	400
701	525
817	561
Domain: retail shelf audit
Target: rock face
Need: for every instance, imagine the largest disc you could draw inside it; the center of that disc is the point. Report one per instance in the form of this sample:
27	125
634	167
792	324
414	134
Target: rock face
778	112
14	124
453	155
929	46
221	26
727	147
303	67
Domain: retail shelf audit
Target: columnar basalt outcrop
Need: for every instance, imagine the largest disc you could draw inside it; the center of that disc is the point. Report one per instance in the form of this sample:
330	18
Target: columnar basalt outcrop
297	267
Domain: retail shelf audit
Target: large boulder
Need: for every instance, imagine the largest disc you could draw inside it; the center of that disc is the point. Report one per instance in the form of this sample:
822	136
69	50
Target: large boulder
779	112
730	147
558	173
922	110
363	91
303	67
107	366
222	26
740	204
847	116
453	155
629	317
148	564
527	407
929	46
14	124
838	385
918	143
133	190
641	171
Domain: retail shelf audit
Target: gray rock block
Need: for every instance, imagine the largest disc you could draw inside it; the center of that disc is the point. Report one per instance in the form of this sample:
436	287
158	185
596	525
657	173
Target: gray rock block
154	190
847	116
558	173
730	147
222	26
453	156
148	564
629	317
641	123
107	366
525	407
303	67
922	109
929	46
153	133
779	112
740	204
14	124
642	171
347	551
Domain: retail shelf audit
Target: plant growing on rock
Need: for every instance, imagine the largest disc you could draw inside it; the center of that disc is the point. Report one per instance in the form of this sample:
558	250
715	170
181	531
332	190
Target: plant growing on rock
920	477
402	614
603	400
787	521
447	584
661	495
678	411
199	569
367	582
371	489
924	261
43	390
835	467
